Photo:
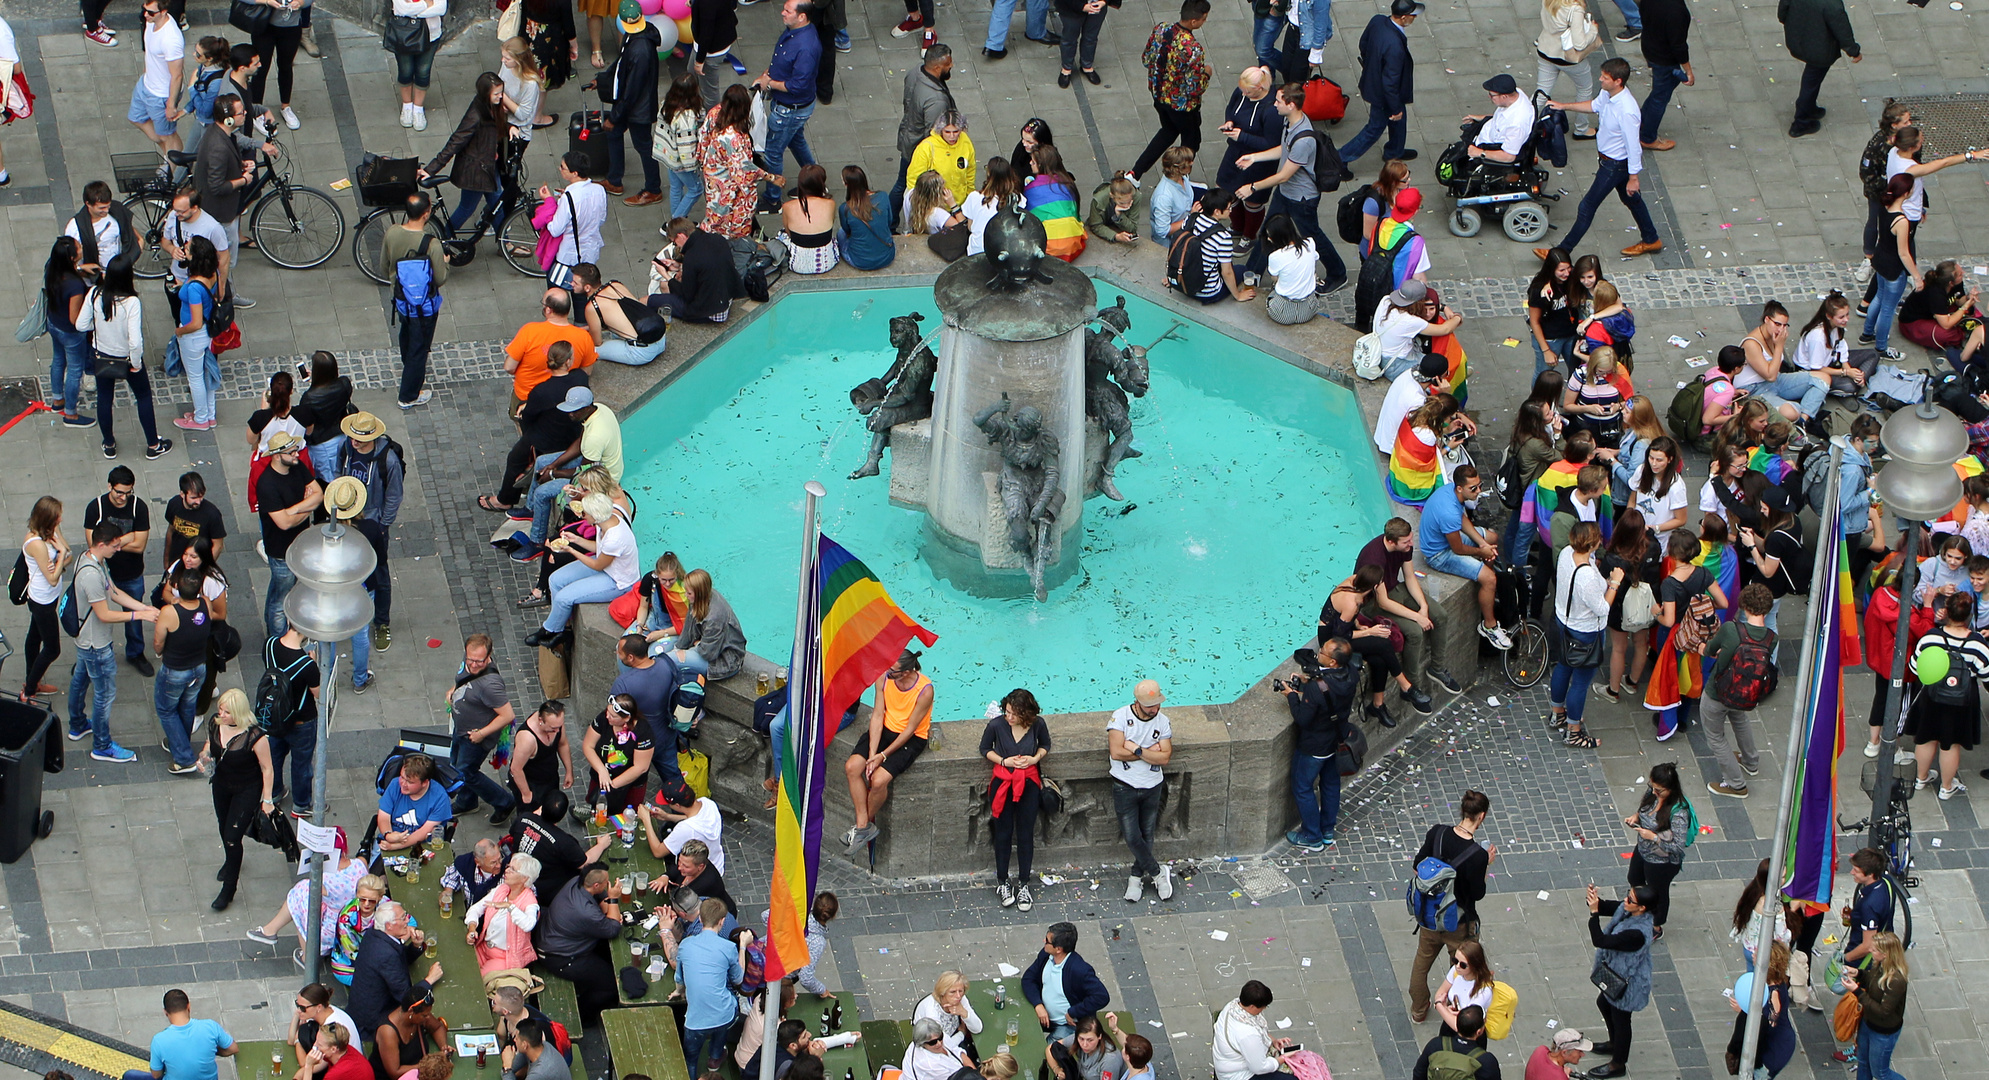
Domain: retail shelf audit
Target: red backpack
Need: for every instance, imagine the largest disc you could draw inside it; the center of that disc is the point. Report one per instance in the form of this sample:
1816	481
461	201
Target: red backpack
562	1041
1749	672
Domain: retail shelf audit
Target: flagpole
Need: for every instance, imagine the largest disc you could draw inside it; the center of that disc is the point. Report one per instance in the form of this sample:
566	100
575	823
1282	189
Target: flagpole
770	999
1894	711
1792	756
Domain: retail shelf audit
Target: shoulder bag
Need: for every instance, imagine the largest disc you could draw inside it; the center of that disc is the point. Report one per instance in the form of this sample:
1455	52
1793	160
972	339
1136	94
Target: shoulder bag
1575	652
249	17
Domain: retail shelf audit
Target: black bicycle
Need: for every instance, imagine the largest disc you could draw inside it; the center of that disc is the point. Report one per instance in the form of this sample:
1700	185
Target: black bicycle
1893	830
509	219
294	226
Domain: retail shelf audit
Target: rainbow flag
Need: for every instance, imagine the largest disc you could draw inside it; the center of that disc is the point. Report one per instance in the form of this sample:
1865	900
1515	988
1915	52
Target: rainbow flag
1054	203
848	635
1409	257
1452	350
1544	497
1769	464
1810	856
1415	469
1721	561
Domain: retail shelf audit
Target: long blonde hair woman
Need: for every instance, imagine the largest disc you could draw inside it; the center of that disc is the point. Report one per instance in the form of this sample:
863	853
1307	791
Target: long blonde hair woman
244	780
1567	35
1881	989
931	209
713	643
518	70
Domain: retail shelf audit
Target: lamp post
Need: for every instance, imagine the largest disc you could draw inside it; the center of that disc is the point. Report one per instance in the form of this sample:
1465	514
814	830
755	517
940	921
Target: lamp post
1917	485
328	605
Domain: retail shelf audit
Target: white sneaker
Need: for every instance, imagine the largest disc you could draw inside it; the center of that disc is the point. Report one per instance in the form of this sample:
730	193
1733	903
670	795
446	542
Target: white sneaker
290	119
407	114
1863	274
1133	889
420	118
1950	792
1871	749
1920	782
1496	635
1163	885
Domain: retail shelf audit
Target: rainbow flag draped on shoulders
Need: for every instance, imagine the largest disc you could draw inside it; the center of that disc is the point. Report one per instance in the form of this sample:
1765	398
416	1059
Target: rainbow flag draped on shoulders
1415	469
1537	506
1721	561
1054	203
849	634
1770	464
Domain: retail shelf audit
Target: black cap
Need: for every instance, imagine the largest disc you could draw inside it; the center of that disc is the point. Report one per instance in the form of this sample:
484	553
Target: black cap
1502	84
1405	7
1434	366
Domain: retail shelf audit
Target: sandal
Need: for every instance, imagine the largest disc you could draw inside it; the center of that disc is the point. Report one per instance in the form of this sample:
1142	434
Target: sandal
533	599
1581	740
1557	719
597	61
490	503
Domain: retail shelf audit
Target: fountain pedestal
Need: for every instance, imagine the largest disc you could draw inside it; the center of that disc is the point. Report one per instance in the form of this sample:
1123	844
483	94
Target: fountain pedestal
1027	343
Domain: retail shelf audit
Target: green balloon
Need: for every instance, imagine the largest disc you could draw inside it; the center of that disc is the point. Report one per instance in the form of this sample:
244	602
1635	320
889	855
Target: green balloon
1932	665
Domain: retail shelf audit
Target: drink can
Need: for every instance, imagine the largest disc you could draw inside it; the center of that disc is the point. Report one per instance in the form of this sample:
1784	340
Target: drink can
480	1057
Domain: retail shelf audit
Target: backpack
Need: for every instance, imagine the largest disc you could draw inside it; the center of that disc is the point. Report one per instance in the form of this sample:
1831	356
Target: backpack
762	271
1376	281
1871	167
1745	681
1691	821
1187	271
1447	1063
1367	357
1511	482
648	324
1326	163
17	582
275	701
69	611
1687	414
1956	689
1815	467
1431	905
415	291
1349	213
1505	1003
1639	608
562	1039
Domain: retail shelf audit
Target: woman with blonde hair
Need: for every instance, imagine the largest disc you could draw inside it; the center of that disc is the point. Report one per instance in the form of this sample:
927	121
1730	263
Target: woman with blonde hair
1641	428
500	924
1568	33
948	1007
237	757
1881	990
930	207
1594	397
602	568
1000	1065
524	85
713	644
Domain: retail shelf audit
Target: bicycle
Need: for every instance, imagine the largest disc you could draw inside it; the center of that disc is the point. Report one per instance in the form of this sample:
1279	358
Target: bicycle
294	226
1893	831
509	218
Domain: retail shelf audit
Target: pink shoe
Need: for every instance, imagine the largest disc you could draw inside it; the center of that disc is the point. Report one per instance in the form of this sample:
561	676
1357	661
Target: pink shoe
188	423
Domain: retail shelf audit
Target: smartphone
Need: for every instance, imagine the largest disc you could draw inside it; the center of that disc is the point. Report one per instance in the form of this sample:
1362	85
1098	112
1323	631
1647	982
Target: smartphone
1295	1048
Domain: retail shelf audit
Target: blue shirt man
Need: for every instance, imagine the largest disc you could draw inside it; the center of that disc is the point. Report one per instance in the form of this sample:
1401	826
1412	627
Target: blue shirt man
187	1048
1443	514
1062	985
707	968
790	78
412	808
1447	522
797	58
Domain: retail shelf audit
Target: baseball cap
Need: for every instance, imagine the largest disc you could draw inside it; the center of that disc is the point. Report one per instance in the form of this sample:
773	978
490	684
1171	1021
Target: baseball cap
673	791
1570	1039
1406	7
632	20
577	399
1148	694
1502	84
1434	366
1407	202
1411	292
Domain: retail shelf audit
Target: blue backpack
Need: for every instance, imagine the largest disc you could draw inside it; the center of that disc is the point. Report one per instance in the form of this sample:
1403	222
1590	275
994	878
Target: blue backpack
415	292
1431	903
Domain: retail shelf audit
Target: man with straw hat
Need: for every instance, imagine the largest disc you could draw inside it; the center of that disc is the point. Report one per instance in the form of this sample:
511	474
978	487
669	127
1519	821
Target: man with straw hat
377	463
286	496
346	500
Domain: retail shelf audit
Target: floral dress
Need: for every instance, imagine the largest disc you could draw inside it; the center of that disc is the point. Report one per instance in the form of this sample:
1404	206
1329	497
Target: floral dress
731	180
341	884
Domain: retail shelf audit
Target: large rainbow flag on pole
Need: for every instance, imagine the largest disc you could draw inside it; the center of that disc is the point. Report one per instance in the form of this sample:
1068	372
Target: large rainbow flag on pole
1810	849
847	633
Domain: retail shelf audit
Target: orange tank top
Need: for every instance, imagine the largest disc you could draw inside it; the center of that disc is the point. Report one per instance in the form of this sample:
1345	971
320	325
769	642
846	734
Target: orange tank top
899	704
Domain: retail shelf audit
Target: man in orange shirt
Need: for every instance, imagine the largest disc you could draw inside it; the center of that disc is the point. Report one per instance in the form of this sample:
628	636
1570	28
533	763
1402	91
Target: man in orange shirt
525	357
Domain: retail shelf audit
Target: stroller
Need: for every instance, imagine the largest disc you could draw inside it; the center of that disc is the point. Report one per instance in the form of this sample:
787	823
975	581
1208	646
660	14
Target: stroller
1513	193
448	776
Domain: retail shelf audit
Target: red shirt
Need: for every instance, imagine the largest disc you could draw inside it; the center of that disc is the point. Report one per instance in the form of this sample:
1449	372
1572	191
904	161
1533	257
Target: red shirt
1541	1067
353	1066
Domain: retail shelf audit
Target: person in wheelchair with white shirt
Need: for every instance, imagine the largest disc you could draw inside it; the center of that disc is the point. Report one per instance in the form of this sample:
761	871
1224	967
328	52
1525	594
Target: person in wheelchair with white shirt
1501	137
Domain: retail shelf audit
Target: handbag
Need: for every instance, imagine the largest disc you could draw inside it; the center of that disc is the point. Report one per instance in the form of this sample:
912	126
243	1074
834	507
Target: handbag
1844	1021
1612	984
405	35
1053	797
249	18
35	323
511	23
1575	652
950	243
1394	631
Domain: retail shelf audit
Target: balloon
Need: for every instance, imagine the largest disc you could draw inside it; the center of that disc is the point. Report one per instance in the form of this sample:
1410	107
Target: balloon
1743	989
684	35
1931	666
652	8
677	9
666	32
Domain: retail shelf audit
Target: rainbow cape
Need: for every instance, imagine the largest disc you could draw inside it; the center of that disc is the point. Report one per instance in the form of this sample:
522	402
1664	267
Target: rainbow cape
1537	506
1054	203
849	635
1721	561
1415	469
1769	464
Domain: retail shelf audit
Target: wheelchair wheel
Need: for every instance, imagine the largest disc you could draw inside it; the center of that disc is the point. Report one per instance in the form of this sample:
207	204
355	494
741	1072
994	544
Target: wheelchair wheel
1526	221
1465	221
1526	662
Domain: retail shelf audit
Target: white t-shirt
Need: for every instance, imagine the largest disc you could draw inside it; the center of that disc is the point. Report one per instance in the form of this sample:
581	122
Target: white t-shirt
979	210
109	237
1294	269
589	203
343	1019
181	233
1142	733
163	45
1405	395
1657	507
1916	203
619	541
9	52
1709	500
936	219
1397	330
1507	127
1461	994
705	825
1813	355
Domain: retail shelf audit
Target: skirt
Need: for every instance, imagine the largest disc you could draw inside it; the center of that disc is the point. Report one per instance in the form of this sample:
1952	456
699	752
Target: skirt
1947	725
811	260
1287	312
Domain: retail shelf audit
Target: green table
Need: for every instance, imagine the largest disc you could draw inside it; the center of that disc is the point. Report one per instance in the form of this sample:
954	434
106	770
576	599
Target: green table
645	1042
253	1058
1030	1037
630	861
885	1041
459	997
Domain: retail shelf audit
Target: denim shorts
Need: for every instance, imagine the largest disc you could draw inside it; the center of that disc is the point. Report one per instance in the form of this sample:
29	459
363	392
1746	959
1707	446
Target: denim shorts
1450	562
146	107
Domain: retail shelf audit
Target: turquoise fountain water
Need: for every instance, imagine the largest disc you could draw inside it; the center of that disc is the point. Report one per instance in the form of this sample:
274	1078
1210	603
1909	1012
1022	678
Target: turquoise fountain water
1256	488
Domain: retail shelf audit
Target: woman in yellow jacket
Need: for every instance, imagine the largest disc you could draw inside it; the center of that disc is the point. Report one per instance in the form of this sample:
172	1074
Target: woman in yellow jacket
947	151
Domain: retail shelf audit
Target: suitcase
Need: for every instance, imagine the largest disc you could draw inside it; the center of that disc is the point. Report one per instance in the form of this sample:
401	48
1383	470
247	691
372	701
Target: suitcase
1324	100
584	135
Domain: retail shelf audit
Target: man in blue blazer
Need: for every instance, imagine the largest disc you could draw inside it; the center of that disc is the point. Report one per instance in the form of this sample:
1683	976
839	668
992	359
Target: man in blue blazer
1388	82
1062	984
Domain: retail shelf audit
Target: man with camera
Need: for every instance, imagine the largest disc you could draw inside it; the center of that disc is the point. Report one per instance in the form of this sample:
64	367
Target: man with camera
693	277
1320	696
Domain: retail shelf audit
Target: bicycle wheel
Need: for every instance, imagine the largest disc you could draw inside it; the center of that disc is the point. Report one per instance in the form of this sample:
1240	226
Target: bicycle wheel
518	241
1526	662
148	212
366	240
298	227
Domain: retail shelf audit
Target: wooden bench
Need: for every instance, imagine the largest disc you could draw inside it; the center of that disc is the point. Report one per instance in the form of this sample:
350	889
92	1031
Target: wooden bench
885	1041
559	1001
645	1041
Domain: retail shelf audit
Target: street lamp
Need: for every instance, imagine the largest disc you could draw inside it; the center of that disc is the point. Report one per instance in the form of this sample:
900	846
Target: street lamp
1919	484
329	604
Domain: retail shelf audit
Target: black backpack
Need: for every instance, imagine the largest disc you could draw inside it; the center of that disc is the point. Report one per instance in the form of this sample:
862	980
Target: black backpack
1187	270
1376	281
70	611
1748	676
1956	689
1871	167
762	271
275	701
1512	482
1326	163
17	582
1349	213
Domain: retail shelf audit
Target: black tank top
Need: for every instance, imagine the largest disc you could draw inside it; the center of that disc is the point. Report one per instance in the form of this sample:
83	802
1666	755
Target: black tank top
542	770
235	765
186	647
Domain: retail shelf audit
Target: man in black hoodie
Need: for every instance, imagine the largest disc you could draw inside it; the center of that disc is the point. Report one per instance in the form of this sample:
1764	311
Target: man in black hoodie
630	94
1666	23
1320	701
702	281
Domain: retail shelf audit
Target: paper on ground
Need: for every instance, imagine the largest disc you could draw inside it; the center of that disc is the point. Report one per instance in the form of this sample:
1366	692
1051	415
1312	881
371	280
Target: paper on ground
1008	971
1219	935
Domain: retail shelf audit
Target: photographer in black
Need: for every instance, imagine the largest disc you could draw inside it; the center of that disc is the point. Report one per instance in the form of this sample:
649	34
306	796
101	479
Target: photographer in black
1320	696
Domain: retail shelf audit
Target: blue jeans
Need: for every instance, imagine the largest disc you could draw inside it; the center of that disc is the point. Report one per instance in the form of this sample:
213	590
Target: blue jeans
1315	784
1875	1054
1803	391
1036	25
686	188
1569	685
577	583
1517	541
1377	119
692	663
414	69
72	359
281	581
898	191
1315	23
542	496
97	669
134	631
1561	347
468	756
787	129
362	654
300	745
705	1045
324	457
174	693
1632	18
1264	38
1611	174
1884	305
616	351
1663	81
471	201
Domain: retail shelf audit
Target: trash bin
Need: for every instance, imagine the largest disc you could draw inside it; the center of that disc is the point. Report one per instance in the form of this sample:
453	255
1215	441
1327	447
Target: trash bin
25	732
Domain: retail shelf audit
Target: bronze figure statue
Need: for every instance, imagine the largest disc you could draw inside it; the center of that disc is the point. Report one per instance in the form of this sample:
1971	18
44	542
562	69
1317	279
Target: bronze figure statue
1111	373
1016	245
902	396
1031	492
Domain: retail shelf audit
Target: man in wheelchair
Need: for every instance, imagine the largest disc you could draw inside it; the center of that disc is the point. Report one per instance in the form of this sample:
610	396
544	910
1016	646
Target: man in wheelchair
1492	144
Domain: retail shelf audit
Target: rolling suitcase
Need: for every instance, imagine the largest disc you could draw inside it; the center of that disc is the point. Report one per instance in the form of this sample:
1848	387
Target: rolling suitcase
584	135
